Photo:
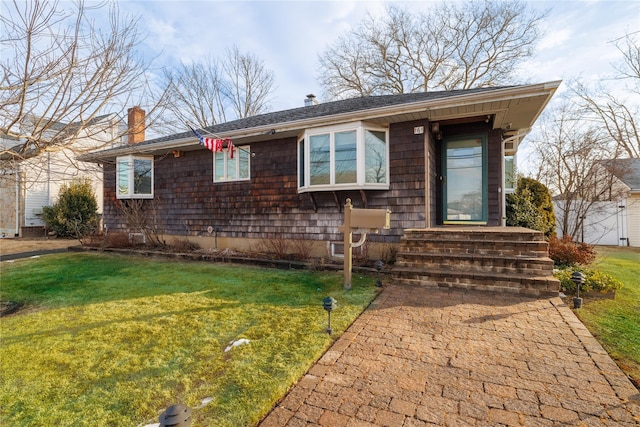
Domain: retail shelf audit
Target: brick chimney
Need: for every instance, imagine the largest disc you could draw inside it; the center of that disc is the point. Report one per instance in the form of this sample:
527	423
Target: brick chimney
136	125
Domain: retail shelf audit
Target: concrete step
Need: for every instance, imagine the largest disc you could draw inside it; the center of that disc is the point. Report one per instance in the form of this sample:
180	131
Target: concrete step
530	266
535	286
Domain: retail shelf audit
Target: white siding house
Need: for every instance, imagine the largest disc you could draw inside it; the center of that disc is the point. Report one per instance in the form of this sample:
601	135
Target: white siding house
30	184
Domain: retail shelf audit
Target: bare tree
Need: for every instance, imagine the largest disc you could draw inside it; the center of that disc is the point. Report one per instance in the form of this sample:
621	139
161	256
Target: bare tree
618	112
195	93
236	85
452	46
62	72
571	160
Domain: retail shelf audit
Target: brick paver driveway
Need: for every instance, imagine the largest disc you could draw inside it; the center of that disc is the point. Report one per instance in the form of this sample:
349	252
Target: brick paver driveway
424	357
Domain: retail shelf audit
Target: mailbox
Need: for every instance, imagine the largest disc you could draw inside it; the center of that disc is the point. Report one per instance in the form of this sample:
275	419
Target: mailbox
371	219
363	221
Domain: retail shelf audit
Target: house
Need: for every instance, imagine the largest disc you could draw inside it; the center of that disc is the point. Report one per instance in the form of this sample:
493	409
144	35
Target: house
31	181
610	213
434	159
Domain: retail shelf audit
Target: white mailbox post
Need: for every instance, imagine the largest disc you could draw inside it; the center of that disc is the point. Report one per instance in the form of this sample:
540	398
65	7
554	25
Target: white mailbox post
363	221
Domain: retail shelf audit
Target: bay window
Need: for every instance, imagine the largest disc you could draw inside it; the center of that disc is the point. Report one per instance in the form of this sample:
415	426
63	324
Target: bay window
353	156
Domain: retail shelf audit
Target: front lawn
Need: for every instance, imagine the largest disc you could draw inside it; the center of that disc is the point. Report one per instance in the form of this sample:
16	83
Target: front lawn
616	323
108	340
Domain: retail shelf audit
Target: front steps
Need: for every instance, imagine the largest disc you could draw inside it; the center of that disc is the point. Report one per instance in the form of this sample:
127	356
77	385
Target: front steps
499	259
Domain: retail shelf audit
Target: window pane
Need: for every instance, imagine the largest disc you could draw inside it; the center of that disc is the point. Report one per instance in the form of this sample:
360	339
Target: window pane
123	176
345	160
464	180
301	168
509	172
375	146
218	166
142	170
232	166
243	159
320	159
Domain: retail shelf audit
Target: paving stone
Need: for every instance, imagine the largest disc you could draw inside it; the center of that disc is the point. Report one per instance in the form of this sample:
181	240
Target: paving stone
425	357
558	414
333	419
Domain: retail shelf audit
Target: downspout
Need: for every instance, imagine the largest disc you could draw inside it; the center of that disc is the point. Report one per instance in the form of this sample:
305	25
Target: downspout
17	206
427	190
503	201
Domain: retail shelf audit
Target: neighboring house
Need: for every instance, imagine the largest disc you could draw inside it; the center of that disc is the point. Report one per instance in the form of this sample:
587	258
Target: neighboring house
32	181
434	159
610	214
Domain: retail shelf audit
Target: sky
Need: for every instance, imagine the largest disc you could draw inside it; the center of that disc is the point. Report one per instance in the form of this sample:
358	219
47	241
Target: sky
289	35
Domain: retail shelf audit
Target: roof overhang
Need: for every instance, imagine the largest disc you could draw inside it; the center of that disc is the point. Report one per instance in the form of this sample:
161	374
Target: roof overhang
513	109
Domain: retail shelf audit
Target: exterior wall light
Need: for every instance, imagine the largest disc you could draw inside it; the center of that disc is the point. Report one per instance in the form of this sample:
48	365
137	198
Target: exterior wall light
578	278
329	304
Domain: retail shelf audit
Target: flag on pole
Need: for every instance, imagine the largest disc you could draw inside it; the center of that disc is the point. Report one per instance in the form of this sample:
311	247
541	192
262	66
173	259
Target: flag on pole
214	144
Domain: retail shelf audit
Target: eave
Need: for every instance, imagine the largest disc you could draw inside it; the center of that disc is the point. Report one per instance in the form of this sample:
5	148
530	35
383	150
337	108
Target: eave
513	109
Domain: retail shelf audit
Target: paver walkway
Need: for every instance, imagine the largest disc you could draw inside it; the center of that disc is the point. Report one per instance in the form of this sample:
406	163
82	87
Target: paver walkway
425	357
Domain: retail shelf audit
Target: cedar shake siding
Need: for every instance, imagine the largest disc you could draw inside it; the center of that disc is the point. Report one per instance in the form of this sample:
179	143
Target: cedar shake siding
187	201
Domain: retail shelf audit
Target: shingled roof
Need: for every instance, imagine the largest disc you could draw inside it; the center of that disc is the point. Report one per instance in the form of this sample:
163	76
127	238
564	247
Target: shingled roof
627	171
326	109
519	105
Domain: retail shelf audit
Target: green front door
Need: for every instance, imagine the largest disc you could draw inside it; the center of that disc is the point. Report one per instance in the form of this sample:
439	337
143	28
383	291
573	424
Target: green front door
465	177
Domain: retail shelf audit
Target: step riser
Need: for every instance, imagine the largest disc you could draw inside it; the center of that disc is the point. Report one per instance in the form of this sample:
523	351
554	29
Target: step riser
548	291
535	249
504	260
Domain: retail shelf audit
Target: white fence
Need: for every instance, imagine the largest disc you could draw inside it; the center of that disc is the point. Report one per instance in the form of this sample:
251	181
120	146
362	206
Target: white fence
605	223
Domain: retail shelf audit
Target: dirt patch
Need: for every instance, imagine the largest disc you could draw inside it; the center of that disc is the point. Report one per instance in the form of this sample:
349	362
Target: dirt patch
19	245
9	307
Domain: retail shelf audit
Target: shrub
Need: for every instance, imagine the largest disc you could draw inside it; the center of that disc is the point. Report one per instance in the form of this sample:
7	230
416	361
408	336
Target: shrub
75	214
531	206
566	253
594	281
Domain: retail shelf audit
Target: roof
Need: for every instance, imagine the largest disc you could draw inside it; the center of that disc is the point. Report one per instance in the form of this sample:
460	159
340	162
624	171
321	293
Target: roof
627	171
513	107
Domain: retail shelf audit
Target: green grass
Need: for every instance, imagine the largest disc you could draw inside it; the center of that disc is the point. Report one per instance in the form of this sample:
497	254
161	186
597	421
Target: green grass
616	323
114	340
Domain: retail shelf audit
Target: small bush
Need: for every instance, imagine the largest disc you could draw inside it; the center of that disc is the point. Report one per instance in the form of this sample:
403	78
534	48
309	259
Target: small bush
531	206
566	253
594	281
276	246
75	214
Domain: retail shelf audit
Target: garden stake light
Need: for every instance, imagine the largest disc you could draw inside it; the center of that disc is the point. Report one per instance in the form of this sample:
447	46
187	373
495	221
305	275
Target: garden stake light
329	304
379	265
577	278
178	415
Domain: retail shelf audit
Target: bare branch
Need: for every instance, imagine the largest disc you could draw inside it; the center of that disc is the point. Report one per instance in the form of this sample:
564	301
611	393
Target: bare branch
453	46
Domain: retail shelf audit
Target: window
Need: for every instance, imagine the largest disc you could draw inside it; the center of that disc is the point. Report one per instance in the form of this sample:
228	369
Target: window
134	177
352	156
237	168
510	174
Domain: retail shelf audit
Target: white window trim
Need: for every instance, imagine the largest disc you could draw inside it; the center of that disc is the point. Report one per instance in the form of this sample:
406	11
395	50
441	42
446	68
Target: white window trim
360	184
236	160
131	174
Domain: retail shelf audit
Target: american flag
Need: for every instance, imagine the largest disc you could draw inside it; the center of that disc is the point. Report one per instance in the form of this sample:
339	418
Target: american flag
214	144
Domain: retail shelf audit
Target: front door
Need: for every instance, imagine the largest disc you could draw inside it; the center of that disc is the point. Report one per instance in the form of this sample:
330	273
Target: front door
464	179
